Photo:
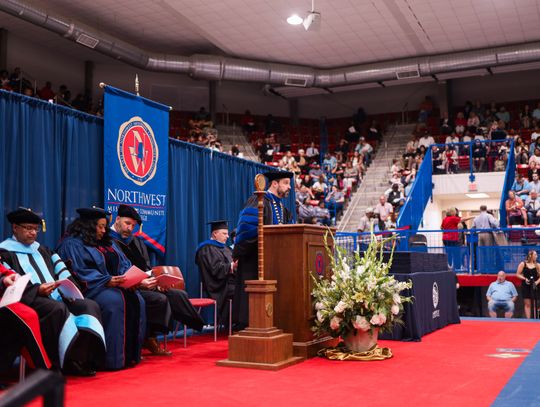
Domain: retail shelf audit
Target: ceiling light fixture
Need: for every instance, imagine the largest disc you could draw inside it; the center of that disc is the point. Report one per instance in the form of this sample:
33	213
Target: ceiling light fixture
479	195
311	22
295	19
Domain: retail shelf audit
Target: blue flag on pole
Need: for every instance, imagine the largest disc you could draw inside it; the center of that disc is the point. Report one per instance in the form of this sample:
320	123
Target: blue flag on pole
136	160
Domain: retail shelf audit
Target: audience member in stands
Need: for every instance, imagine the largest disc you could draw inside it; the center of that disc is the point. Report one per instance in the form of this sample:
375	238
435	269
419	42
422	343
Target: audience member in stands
288	159
515	212
330	163
63	97
485	220
365	149
383	208
532	206
451	237
503	115
521	186
342	150
335	199
452	138
4	80
473	122
525	117
395	179
450	159
312	152
322	214
461	123
315	171
351	176
479	155
536	133
235	151
425	141
529	272
446	125
302	162
396	197
46	92
100	264
366	221
266	150
535	157
501	295
521	151
320	187
534	184
536	113
439	162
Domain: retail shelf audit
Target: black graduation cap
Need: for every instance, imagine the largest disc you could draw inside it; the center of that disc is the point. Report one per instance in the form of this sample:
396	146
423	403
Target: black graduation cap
93	213
277	175
218	224
24	215
127	211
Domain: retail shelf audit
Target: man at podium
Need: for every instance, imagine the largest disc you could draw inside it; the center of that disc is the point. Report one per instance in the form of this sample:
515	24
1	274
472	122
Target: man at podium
245	248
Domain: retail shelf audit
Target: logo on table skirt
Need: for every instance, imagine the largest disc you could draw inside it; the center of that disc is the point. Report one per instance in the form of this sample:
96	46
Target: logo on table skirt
319	263
137	149
435	297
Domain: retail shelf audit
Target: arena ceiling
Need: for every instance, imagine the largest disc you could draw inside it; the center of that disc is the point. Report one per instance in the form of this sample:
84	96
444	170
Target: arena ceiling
352	31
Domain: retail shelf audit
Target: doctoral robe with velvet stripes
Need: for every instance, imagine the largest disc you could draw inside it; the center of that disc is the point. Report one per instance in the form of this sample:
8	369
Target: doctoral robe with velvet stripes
21	333
81	316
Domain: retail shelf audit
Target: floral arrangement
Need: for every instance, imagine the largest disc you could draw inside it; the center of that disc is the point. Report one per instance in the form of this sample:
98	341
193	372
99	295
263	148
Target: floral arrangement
360	295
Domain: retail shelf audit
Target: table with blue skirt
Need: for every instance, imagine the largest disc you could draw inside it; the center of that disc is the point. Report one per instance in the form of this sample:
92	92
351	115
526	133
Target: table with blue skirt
434	305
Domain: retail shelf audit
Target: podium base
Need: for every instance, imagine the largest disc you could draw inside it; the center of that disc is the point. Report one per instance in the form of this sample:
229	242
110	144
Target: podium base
265	349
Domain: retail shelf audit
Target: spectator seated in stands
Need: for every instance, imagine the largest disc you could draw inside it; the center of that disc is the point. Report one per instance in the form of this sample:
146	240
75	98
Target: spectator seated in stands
521	151
536	133
199	122
461	123
396	197
452	138
410	152
535	183
350	176
450	159
306	212
409	181
521	187
319	187
536	113
383	208
322	214
302	162
473	122
266	151
425	141
515	212
535	157
312	152
366	221
46	92
316	171
330	163
335	200
503	115
525	117
365	149
532	206
288	159
4	80
501	295
342	150
446	125
248	123
479	155
395	179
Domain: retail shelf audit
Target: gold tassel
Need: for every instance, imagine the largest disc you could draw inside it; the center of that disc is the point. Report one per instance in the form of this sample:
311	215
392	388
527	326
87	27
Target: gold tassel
140	228
43	225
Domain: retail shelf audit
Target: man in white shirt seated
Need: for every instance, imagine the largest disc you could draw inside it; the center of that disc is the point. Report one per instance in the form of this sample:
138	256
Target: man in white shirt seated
312	152
501	294
426	140
383	208
532	205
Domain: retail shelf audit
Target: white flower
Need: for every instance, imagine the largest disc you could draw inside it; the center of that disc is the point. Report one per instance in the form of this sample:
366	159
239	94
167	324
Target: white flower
395	309
360	270
342	306
361	323
319	306
378	319
320	317
334	323
396	298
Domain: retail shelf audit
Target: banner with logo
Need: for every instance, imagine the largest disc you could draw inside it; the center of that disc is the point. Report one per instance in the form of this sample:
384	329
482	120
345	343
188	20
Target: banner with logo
136	161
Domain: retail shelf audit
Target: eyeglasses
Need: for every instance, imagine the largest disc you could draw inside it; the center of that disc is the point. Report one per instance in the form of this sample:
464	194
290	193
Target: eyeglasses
28	228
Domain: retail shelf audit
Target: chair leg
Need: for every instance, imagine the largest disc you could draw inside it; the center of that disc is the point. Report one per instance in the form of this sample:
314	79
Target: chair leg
185	336
215	321
230	317
176	330
22	369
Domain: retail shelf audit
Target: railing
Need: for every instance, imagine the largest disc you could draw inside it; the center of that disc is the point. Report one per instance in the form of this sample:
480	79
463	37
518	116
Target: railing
412	211
508	182
477	251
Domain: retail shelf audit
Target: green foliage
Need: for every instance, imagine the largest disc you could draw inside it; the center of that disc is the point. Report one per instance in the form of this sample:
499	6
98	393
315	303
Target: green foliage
360	294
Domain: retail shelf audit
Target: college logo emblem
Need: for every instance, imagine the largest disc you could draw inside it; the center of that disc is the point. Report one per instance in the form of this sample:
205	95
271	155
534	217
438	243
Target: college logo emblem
435	293
319	263
137	149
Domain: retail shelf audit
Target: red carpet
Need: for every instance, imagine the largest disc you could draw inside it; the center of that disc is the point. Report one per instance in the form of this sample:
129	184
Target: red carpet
450	367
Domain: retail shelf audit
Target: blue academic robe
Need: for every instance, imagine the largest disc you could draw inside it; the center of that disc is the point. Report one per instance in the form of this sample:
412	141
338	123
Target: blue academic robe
44	266
88	265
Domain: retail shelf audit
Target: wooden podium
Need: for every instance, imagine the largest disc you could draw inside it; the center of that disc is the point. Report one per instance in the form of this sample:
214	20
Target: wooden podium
291	254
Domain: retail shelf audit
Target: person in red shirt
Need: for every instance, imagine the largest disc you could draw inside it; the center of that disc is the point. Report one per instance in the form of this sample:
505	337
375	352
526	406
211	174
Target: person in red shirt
450	238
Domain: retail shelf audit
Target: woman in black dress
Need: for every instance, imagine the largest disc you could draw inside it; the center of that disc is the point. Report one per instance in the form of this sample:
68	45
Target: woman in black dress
529	272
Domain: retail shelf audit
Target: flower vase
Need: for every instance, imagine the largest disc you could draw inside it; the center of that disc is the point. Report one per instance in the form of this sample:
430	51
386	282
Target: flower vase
361	341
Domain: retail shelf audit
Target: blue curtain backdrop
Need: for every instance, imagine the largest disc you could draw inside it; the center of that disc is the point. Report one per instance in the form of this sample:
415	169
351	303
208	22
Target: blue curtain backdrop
52	161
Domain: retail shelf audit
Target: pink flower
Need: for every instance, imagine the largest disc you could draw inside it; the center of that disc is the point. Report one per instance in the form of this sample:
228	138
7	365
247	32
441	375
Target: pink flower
395	309
378	319
361	323
334	323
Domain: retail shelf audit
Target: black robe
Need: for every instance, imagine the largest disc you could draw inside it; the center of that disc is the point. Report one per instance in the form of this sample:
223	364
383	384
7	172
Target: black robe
214	262
246	253
159	305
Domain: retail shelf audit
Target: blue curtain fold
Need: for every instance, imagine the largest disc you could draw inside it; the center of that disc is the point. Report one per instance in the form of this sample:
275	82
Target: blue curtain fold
51	159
